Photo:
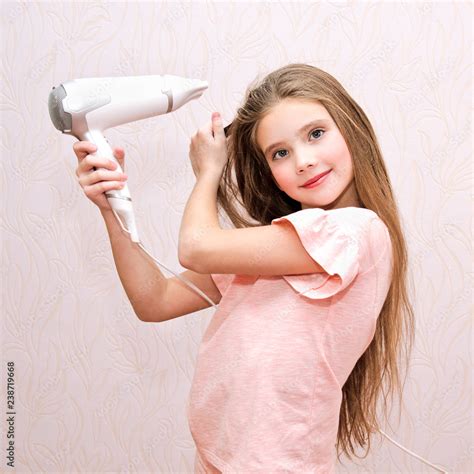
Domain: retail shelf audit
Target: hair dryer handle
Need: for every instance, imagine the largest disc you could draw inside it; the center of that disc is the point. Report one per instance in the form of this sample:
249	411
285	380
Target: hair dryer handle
119	199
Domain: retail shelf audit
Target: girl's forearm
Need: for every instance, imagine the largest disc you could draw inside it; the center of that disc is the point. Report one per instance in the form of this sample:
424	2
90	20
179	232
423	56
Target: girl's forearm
200	216
141	279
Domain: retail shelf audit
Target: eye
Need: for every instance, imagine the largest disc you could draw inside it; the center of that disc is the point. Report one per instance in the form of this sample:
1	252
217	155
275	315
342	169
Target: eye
317	130
277	153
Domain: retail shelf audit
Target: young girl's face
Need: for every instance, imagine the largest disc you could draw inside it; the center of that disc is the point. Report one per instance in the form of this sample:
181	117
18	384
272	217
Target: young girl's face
308	144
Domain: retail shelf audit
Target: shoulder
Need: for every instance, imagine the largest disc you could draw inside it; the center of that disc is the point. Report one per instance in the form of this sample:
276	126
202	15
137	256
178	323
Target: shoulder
356	223
363	222
358	227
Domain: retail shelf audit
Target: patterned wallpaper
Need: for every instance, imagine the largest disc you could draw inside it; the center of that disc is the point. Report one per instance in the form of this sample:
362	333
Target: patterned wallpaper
97	390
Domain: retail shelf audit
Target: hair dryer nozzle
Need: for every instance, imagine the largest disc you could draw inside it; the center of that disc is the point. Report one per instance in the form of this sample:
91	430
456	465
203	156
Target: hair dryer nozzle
183	90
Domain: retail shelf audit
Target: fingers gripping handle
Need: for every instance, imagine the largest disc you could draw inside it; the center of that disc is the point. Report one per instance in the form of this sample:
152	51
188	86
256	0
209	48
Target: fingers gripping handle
119	199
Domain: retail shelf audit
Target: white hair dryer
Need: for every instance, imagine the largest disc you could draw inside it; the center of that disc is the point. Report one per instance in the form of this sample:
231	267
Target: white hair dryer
85	108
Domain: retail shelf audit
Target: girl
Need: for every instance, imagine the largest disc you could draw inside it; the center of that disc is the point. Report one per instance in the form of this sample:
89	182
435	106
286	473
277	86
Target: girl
311	282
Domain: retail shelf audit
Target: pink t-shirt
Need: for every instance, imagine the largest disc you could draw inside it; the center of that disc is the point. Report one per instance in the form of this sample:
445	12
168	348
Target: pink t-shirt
266	393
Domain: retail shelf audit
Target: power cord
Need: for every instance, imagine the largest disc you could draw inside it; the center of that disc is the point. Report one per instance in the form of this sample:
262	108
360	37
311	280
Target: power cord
189	283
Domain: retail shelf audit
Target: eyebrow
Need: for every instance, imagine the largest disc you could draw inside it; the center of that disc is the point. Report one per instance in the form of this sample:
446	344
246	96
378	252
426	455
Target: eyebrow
313	123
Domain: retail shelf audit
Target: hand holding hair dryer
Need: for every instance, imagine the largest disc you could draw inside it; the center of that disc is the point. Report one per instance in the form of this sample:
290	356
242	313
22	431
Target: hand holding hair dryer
85	108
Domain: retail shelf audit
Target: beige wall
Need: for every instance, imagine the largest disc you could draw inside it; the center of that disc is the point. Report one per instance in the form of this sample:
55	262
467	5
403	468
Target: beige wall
96	390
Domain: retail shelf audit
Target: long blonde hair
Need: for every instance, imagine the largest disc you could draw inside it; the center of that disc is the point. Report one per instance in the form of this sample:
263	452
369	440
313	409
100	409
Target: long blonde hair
255	192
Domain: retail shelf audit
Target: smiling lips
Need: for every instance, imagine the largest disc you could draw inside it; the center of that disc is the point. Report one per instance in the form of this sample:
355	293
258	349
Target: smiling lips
313	180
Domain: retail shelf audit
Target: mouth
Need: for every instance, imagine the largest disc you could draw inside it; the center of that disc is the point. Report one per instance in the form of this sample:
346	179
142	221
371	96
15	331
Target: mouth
316	178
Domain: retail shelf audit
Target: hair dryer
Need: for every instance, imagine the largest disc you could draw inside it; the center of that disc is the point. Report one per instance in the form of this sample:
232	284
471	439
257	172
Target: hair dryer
85	108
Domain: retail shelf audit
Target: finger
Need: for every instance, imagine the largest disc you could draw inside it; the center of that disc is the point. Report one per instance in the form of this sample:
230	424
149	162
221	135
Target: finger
204	132
83	148
119	153
88	179
91	163
217	126
94	190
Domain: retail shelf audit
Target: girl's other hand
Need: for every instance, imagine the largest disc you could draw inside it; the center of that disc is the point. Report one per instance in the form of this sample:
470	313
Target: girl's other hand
208	148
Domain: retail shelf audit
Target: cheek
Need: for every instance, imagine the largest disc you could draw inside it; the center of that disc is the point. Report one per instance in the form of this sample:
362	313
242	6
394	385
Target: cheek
282	177
338	155
344	166
347	165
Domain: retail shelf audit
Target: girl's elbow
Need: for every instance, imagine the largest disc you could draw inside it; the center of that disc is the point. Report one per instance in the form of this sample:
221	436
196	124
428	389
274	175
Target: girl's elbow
186	260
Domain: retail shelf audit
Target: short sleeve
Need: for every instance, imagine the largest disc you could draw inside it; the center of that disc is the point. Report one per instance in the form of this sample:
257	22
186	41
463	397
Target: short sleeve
222	281
334	239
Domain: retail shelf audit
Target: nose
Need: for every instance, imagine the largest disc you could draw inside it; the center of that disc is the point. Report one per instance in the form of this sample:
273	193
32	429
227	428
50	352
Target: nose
305	158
